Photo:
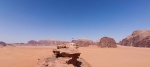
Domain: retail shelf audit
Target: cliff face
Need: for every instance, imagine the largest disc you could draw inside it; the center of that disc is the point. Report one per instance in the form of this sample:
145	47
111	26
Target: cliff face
83	42
139	38
143	43
107	42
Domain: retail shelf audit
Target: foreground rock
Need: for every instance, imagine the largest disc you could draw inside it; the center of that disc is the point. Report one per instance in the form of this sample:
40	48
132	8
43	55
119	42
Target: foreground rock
107	42
66	55
83	42
139	38
60	62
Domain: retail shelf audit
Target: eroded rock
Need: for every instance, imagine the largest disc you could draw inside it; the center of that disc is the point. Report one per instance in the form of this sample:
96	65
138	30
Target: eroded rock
32	42
107	42
61	62
139	38
66	55
83	42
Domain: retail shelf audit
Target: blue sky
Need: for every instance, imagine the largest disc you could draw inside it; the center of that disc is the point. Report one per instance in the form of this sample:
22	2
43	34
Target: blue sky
24	20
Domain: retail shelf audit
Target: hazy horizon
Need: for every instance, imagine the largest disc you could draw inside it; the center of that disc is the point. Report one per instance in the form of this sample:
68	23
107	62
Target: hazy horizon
21	21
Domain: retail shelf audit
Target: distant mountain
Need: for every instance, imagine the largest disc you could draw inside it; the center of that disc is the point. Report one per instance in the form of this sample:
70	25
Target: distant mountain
82	42
45	42
2	44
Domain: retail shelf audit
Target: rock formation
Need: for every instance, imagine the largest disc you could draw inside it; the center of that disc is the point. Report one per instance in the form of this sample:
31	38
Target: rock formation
60	62
32	42
83	42
2	44
139	38
107	42
45	42
144	42
67	56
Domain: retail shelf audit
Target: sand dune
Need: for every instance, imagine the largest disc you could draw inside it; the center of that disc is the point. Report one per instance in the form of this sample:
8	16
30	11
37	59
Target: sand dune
97	57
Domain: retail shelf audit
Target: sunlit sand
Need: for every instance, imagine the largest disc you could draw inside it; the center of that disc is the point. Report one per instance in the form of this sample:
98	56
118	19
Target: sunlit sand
27	56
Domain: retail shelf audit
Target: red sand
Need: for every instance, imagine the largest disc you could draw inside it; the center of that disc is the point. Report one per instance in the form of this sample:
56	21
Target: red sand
97	57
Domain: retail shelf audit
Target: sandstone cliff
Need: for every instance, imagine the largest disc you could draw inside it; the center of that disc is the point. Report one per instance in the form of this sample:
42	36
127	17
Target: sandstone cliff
139	38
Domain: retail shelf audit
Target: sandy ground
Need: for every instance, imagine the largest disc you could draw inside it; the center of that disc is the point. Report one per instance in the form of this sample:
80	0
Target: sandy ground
97	57
22	56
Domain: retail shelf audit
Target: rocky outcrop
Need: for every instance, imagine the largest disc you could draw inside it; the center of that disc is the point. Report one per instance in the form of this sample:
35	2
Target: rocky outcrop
60	62
32	42
83	42
139	38
144	42
68	56
2	44
107	42
45	42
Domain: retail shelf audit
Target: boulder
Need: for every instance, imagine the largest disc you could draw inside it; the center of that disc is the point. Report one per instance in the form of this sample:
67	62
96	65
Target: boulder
107	42
138	38
83	42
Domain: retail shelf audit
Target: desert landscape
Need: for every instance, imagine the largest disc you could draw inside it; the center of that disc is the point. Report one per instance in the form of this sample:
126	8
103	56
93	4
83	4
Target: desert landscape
122	56
103	53
74	33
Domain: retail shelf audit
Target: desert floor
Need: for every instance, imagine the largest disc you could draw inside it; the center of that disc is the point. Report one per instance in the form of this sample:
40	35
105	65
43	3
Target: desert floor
27	56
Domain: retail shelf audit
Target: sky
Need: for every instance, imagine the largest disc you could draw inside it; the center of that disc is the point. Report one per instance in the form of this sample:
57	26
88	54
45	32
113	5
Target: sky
24	20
